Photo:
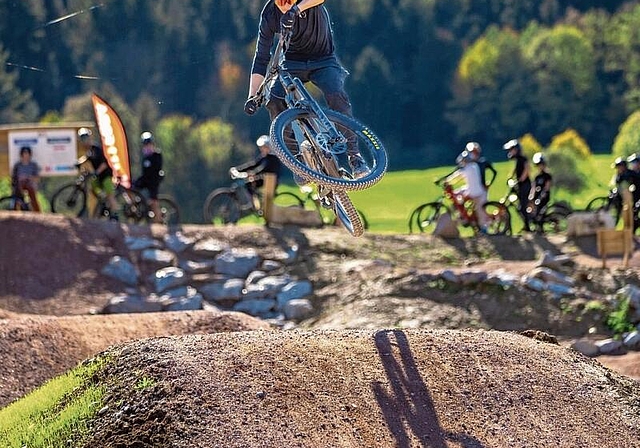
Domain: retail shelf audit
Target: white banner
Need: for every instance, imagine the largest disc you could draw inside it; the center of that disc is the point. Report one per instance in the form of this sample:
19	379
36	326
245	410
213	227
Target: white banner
55	150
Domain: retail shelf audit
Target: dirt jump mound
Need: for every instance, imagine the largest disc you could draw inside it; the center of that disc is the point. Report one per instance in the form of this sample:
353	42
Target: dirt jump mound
436	388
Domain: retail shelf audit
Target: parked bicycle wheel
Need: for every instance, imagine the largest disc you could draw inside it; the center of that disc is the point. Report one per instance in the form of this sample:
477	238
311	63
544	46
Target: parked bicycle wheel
499	218
298	121
554	222
13	203
604	203
221	207
169	209
288	199
69	200
425	217
132	206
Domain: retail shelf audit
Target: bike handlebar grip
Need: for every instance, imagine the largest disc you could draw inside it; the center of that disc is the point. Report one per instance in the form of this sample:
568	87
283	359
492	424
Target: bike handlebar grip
251	106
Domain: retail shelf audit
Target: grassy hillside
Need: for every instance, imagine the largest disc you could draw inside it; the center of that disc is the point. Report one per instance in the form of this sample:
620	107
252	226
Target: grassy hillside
389	204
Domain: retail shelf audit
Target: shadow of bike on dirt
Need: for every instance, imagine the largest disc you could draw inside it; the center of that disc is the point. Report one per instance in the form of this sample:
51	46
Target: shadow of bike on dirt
408	407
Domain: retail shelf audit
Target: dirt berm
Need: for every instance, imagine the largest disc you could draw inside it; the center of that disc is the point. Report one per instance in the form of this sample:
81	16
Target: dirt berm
386	388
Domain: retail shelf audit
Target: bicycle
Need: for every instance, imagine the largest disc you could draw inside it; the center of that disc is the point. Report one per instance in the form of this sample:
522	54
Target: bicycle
551	218
16	202
313	142
228	205
462	210
312	200
71	200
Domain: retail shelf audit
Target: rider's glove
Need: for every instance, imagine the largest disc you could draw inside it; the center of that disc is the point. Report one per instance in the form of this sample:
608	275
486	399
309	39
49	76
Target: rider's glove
250	106
289	17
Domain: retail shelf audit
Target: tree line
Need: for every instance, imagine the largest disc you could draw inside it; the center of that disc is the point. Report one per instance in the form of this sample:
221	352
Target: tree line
426	75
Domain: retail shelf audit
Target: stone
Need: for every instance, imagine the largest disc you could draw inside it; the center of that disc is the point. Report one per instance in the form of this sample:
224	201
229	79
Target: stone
236	263
294	290
230	289
168	278
131	304
255	307
158	256
610	347
122	270
177	242
141	243
586	347
298	309
632	340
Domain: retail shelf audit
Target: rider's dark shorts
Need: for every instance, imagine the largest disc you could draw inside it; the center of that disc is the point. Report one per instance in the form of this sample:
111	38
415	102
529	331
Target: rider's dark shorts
327	74
153	191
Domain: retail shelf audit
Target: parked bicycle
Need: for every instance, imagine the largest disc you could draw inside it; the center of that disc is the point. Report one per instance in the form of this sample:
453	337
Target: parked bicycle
16	202
71	200
228	205
461	209
313	142
552	218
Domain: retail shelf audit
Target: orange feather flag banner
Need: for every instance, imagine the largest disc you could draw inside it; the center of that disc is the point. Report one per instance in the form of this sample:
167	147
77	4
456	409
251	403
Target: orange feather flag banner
114	140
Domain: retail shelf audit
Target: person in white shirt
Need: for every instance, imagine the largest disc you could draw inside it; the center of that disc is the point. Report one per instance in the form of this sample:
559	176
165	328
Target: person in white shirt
474	188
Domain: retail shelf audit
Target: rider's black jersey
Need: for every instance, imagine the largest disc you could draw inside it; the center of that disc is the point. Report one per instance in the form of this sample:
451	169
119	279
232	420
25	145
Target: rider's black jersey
539	182
312	36
95	155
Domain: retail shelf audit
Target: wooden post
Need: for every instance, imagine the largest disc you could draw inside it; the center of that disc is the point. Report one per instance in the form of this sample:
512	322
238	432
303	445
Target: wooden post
269	191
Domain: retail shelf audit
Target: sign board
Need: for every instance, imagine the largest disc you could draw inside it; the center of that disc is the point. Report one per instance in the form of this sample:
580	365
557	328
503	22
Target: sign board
55	150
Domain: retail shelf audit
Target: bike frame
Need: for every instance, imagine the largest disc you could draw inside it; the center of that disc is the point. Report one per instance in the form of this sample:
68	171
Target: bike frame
463	204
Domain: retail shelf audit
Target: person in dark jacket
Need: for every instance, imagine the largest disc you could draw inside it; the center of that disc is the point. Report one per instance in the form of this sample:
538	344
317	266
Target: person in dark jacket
311	56
25	176
254	170
521	175
152	173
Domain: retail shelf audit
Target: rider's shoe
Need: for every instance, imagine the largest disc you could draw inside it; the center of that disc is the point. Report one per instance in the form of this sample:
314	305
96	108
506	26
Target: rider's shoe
359	168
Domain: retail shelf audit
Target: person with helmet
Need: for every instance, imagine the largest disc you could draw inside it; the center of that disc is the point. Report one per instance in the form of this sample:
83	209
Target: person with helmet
102	182
311	57
253	171
25	176
475	150
152	173
521	176
541	190
474	189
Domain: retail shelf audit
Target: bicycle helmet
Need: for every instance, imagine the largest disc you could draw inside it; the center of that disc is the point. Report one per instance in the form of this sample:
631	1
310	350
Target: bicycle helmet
146	137
473	147
84	133
538	158
263	140
620	161
633	158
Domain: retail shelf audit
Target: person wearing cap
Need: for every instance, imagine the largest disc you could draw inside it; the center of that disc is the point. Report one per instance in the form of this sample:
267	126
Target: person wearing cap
25	176
253	171
475	150
152	173
102	182
521	176
311	57
541	189
474	189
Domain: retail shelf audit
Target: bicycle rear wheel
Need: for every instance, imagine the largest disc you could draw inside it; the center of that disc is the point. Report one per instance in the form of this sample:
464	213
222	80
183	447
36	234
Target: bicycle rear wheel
347	213
221	207
69	200
303	124
169	210
603	203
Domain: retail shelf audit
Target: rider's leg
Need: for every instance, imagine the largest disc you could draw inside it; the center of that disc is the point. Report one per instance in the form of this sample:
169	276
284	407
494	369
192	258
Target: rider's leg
478	205
154	205
27	185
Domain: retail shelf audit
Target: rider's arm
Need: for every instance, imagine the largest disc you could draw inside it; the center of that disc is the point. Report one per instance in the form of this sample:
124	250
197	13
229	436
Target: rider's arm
494	173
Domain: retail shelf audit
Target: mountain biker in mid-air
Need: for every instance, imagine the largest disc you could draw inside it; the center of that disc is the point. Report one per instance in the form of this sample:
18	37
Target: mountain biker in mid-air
311	56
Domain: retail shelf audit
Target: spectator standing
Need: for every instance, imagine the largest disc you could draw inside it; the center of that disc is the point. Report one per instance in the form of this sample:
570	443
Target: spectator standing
25	176
152	173
521	175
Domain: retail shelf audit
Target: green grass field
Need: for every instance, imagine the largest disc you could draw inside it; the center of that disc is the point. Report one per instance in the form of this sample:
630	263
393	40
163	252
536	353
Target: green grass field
389	204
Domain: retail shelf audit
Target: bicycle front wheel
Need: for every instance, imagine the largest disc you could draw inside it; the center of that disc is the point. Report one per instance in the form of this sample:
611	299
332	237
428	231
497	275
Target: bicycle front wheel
303	125
221	207
426	216
603	203
69	200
